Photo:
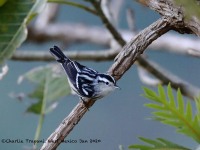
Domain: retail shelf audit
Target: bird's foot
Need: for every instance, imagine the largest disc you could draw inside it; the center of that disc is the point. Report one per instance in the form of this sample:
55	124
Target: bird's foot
84	103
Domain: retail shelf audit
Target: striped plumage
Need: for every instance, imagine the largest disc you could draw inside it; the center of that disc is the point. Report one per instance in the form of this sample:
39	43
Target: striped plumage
86	82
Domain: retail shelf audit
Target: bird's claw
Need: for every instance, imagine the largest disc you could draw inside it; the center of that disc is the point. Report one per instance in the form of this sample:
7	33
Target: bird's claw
84	103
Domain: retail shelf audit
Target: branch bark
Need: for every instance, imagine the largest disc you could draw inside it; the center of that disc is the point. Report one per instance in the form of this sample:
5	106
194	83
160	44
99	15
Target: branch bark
66	126
133	49
169	9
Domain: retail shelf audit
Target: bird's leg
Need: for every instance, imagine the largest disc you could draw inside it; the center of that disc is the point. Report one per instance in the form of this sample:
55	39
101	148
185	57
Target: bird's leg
84	102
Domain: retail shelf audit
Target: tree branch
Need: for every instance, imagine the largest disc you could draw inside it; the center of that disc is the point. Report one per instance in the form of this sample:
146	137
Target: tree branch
66	126
167	77
145	77
128	55
133	49
100	55
130	52
70	33
169	9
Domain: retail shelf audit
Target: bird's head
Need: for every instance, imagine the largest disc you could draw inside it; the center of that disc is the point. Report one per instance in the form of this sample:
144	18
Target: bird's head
106	84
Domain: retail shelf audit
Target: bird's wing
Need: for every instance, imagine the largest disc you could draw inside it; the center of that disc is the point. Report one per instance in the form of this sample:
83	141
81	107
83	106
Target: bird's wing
71	72
81	77
85	84
85	69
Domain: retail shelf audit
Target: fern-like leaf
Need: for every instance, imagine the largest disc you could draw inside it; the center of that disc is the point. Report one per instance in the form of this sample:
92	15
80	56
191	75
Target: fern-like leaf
174	112
197	101
158	144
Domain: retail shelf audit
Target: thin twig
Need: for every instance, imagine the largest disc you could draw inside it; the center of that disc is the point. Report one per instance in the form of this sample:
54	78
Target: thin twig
47	16
145	77
107	24
111	9
167	77
130	19
71	3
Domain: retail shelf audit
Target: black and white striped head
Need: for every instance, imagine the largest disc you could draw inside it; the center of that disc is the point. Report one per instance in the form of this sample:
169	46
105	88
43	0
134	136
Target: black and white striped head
106	84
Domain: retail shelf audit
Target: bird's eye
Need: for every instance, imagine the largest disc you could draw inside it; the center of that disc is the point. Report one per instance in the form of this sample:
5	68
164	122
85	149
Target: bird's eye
107	83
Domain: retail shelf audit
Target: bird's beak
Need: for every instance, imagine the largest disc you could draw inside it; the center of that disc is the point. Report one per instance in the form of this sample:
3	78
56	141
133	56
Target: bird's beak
117	87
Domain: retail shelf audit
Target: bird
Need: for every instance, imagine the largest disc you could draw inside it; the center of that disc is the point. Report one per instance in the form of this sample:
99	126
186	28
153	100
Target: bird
86	82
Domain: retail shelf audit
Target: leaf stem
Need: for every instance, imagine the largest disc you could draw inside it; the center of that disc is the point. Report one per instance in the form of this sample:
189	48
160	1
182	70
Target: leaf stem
42	114
116	35
38	130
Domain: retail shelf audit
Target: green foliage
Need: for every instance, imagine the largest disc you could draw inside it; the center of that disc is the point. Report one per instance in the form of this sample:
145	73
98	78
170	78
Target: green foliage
197	101
190	7
14	15
49	88
174	112
158	144
2	2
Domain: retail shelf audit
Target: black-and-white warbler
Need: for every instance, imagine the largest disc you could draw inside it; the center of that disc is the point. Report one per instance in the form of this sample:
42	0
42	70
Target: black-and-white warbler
86	82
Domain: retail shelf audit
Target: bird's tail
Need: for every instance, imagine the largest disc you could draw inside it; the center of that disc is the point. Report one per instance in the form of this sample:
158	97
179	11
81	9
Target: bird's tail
58	54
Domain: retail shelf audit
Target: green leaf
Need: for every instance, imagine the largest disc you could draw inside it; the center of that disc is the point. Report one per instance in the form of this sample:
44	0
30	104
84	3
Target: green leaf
14	15
152	142
141	147
158	144
172	123
154	106
35	108
176	114
148	93
170	96
36	75
197	102
49	88
188	112
161	92
162	114
180	101
190	8
2	2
